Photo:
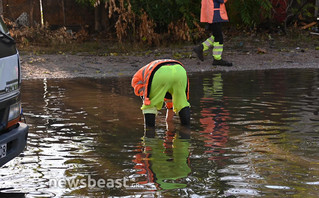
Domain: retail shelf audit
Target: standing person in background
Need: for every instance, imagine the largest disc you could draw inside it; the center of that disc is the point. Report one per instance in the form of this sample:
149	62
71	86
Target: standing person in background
213	12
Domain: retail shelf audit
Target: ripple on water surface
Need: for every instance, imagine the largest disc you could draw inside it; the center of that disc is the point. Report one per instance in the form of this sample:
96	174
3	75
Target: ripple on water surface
253	134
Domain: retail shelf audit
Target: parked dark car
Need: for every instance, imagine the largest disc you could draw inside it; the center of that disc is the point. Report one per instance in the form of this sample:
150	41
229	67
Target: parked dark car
13	133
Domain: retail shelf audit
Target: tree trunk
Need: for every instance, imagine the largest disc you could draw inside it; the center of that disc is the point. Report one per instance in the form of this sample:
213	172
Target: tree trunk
97	18
63	12
1	8
317	9
31	4
104	22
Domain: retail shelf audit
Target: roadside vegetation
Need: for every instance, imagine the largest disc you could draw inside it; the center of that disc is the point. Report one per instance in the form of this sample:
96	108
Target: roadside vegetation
138	25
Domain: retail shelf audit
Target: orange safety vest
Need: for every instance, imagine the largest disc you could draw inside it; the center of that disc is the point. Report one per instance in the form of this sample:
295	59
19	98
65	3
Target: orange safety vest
141	81
208	10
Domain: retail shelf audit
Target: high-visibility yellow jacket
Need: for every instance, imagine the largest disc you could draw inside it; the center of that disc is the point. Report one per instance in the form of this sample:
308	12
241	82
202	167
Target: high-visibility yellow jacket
142	79
213	11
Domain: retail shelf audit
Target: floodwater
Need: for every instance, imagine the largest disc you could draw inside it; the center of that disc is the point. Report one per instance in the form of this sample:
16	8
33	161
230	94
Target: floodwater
253	134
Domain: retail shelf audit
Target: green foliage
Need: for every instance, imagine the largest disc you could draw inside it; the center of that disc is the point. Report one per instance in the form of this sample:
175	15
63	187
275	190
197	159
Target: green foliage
250	12
303	7
163	12
88	2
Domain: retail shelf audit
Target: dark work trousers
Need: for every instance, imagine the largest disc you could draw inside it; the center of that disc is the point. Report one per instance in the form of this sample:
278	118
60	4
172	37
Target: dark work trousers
216	30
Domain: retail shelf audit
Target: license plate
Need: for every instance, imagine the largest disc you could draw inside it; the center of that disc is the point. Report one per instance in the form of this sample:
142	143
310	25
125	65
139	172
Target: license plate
3	150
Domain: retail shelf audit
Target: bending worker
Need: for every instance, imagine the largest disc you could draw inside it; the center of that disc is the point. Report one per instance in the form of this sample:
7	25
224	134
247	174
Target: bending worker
213	12
163	81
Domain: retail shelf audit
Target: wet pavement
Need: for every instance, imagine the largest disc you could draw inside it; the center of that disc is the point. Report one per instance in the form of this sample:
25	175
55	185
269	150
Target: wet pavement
253	133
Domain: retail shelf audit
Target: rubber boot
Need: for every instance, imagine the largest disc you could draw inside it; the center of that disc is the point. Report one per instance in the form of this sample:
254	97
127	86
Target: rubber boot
222	62
149	120
185	132
149	132
185	117
199	52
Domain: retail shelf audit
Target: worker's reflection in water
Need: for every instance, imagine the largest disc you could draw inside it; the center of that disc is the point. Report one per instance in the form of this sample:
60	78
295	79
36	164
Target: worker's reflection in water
214	116
163	158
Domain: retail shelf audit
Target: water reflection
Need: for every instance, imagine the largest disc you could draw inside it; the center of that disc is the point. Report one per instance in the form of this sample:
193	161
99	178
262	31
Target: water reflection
213	117
253	134
162	159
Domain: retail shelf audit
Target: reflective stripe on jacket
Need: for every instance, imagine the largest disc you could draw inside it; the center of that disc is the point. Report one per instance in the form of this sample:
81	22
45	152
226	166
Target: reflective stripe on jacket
213	11
141	81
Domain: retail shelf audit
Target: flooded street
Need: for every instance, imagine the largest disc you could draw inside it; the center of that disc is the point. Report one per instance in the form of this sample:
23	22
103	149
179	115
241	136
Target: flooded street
253	133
